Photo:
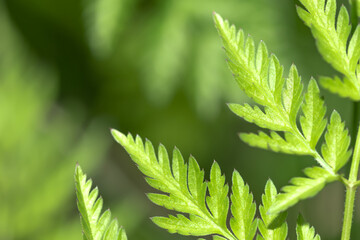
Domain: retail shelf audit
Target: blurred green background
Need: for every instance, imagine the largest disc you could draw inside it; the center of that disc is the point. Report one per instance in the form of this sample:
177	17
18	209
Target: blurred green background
70	70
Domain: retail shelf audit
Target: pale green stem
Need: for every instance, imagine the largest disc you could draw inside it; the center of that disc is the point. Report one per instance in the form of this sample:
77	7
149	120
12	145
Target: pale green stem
348	212
352	182
350	191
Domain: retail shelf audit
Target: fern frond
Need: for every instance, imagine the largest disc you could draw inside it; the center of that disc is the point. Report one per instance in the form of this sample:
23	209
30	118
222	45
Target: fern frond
249	68
94	225
185	192
304	231
336	149
302	188
272	226
260	76
334	42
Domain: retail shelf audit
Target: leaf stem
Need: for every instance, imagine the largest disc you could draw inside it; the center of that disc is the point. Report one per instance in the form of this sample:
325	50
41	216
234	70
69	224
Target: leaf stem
352	182
348	212
296	132
315	154
350	191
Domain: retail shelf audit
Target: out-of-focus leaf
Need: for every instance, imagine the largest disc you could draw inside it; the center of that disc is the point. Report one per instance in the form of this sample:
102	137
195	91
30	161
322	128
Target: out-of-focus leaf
39	144
104	20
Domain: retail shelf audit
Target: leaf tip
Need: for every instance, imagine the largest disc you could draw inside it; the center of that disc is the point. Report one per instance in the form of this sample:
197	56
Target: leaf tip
118	136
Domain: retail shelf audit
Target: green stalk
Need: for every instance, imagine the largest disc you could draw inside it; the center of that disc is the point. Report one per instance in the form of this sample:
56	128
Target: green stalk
348	213
350	191
352	182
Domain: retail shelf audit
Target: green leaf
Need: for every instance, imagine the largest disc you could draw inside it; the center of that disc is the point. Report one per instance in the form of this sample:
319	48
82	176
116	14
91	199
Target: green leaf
104	20
270	119
95	226
243	209
276	79
260	76
218	201
302	188
292	95
304	231
344	88
164	58
184	188
354	49
312	122
276	143
334	42
336	149
271	226
195	226
343	27
241	54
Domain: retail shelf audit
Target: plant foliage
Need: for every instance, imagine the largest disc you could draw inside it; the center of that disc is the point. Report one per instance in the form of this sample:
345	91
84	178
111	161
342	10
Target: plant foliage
96	226
272	226
260	76
185	192
39	145
180	53
203	206
335	43
304	231
296	119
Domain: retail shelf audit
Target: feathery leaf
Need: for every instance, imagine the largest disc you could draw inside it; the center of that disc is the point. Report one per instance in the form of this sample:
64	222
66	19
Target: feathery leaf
276	143
302	188
184	187
313	123
270	119
336	149
186	192
195	226
94	225
292	97
218	201
243	209
272	226
304	231
344	88
332	37
260	76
